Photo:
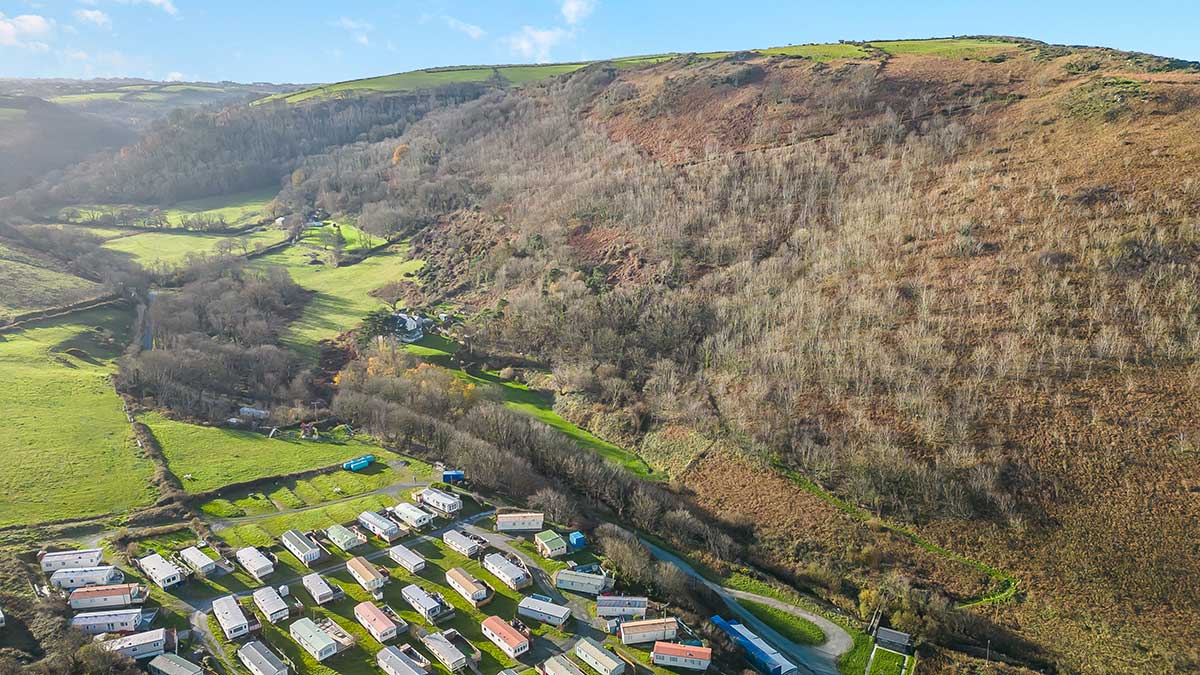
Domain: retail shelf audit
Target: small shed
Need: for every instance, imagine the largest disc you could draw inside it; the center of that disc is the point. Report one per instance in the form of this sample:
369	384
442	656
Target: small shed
894	640
577	540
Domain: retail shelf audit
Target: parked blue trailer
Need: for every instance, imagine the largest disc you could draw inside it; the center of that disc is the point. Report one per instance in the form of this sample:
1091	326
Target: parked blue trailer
359	463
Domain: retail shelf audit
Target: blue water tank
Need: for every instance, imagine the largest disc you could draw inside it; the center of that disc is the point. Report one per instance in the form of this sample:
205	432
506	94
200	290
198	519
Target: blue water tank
359	463
577	539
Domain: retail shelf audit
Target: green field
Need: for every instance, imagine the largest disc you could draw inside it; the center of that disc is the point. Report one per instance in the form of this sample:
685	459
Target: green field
887	663
215	457
68	448
238	209
171	247
822	53
951	48
27	284
797	629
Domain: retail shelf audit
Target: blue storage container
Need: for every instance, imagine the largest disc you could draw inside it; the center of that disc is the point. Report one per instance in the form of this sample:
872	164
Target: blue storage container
576	539
456	476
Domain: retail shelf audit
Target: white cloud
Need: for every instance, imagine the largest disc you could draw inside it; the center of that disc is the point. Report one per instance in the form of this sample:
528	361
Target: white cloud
75	54
575	11
471	30
174	76
94	17
536	43
24	31
165	5
353	24
362	39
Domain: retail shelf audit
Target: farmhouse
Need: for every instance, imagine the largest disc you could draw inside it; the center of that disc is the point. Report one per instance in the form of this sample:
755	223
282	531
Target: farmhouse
255	562
314	640
197	560
381	527
598	658
460	542
560	665
343	538
69	560
111	621
72	578
144	645
427	605
259	660
318	588
173	664
674	655
305	549
510	640
763	656
271	604
648	630
230	617
366	574
608	606
550	544
507	571
379	625
894	640
580	582
406	558
445	651
545	612
395	662
442	502
519	522
104	597
473	590
411	515
160	571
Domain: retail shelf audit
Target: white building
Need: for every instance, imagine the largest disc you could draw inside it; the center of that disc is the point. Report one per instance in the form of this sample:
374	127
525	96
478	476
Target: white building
318	588
395	662
146	645
161	571
674	655
560	665
440	501
627	606
301	546
259	660
314	640
343	538
230	617
197	560
111	621
68	560
78	577
545	612
379	526
648	630
580	582
598	658
445	651
107	597
406	558
519	522
510	640
473	590
462	543
272	605
255	562
173	664
378	624
423	603
366	574
507	571
411	515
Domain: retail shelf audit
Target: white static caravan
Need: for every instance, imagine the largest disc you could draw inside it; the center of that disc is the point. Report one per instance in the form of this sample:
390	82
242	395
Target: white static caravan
318	588
259	660
366	574
72	578
70	560
510	640
301	546
406	558
161	571
111	621
395	662
580	582
412	516
598	658
107	597
507	571
173	664
520	522
146	645
378	624
445	651
560	665
443	502
272	605
230	617
462	543
423	603
379	526
545	612
314	640
674	655
473	590
648	630
255	562
197	560
626	606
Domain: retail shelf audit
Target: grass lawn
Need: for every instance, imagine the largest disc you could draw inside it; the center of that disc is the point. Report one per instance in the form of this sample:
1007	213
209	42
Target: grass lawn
950	48
822	53
797	629
171	247
240	208
68	449
30	287
887	663
214	456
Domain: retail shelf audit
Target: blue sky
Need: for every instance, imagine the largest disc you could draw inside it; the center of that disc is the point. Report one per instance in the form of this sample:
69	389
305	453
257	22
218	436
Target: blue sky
299	41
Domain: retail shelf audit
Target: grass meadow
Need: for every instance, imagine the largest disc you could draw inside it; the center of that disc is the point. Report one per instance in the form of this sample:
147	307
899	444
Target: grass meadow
28	285
241	208
951	48
171	247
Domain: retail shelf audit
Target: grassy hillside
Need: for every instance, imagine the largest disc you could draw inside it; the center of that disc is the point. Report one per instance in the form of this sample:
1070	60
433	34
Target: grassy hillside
171	248
29	283
238	209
